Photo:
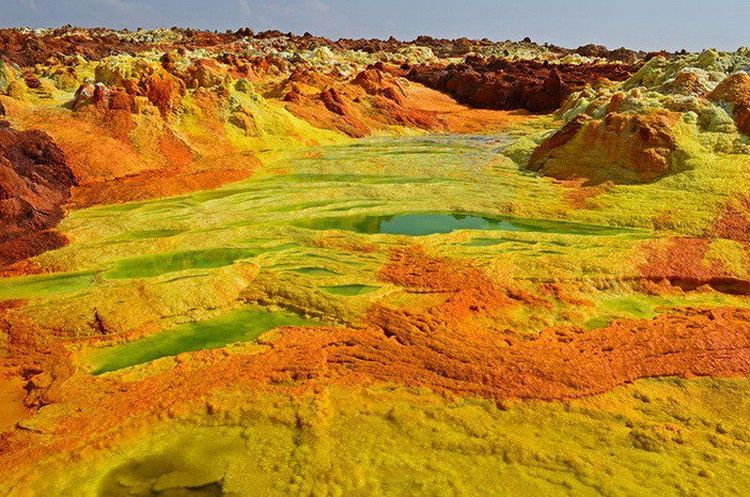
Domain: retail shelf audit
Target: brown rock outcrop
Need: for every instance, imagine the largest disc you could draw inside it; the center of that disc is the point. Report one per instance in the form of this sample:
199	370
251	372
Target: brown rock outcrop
35	183
619	54
377	82
495	83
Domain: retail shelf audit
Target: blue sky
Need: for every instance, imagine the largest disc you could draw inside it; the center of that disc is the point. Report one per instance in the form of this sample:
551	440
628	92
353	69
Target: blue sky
641	24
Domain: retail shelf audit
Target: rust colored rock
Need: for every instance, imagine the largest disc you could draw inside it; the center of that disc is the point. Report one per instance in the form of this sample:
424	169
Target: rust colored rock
28	48
162	91
293	95
169	62
119	99
735	90
203	73
682	262
685	83
35	183
160	88
310	77
100	98
30	244
624	148
335	102
377	82
32	81
619	54
370	79
84	95
501	84
734	221
550	96
560	138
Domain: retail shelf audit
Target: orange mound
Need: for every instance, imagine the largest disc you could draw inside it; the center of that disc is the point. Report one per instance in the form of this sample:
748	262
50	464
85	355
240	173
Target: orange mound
735	90
624	148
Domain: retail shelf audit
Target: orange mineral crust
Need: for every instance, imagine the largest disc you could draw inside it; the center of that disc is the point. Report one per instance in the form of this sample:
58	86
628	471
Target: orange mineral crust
444	348
734	221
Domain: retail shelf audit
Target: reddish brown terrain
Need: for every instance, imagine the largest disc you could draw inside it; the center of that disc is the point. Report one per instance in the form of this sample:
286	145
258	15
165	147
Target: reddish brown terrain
497	83
35	183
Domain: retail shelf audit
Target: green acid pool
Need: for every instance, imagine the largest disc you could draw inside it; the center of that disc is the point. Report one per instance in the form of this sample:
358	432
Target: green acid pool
350	290
44	285
420	224
170	262
241	325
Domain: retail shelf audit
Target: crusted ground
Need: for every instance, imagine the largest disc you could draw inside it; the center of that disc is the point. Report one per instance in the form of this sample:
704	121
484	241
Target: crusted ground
266	264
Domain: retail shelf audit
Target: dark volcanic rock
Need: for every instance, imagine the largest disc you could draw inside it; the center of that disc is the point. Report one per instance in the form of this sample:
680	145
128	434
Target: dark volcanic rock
501	84
35	183
27	48
619	54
